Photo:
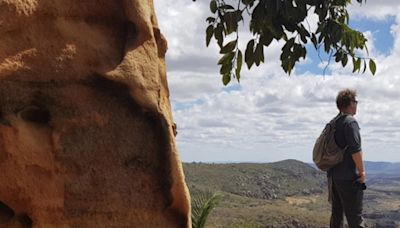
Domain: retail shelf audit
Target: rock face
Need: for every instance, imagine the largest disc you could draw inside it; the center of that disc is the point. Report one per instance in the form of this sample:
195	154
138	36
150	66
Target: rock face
86	131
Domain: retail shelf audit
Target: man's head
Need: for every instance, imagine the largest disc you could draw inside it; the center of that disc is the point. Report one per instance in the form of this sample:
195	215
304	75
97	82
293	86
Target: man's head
346	101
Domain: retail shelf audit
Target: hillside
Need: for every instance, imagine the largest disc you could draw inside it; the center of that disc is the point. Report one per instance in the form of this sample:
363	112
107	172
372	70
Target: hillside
385	168
289	193
262	181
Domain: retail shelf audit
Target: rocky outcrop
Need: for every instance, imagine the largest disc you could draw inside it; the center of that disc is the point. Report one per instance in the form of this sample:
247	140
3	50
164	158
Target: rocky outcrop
86	131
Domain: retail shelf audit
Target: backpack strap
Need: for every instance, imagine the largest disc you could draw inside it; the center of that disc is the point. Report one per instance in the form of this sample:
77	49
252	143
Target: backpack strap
340	115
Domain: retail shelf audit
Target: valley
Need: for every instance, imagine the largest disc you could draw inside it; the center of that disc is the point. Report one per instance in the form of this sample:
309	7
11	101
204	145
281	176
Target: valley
289	193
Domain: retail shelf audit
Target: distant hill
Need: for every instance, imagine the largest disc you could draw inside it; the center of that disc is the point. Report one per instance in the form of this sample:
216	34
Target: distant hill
256	180
288	193
388	168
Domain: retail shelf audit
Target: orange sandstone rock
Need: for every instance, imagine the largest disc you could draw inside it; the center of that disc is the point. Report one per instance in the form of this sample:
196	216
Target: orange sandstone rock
86	131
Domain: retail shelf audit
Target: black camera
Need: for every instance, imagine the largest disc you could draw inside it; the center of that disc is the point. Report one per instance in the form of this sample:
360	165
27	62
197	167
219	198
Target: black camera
363	186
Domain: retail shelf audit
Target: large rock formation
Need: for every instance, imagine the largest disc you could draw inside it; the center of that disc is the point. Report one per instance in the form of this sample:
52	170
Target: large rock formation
86	132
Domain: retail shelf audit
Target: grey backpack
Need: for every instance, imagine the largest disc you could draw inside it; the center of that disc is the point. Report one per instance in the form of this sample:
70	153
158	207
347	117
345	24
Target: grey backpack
326	152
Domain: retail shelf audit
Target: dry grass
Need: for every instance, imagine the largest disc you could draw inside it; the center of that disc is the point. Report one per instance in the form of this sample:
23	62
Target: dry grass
261	213
301	200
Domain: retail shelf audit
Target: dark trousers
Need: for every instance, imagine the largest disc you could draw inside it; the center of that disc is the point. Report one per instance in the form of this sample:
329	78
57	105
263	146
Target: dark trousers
347	198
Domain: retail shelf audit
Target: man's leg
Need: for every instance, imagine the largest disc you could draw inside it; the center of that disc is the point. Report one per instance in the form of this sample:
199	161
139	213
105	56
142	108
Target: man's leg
337	209
352	196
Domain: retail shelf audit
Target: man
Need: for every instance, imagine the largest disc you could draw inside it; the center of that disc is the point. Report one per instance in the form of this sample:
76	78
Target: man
347	177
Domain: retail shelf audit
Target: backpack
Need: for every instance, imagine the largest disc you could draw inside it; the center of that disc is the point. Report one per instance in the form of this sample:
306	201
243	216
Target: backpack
326	152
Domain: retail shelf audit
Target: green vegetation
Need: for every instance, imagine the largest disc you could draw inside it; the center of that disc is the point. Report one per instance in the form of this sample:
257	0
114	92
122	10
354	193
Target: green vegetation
286	194
262	181
255	195
202	205
284	20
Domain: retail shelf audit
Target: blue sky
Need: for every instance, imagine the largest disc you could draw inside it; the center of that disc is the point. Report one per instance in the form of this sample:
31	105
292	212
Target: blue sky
270	116
381	30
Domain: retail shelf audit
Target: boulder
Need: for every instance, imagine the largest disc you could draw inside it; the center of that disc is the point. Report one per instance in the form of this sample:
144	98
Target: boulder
86	130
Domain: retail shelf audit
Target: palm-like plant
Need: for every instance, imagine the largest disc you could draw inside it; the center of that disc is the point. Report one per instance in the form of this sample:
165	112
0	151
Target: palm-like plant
202	205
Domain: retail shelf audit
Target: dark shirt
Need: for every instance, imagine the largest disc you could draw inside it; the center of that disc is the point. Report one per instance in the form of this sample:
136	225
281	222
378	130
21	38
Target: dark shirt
347	134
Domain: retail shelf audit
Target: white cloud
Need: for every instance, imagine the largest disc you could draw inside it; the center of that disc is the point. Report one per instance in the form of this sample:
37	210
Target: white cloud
271	116
374	10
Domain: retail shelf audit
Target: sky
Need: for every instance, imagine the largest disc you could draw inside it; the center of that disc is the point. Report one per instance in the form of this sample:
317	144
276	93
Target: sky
270	116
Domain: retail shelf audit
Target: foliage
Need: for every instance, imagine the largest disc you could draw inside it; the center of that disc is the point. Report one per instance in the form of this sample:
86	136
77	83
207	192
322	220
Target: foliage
202	205
284	20
263	181
296	207
239	210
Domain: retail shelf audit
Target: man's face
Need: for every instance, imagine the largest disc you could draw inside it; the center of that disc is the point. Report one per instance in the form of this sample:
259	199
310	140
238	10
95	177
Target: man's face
353	107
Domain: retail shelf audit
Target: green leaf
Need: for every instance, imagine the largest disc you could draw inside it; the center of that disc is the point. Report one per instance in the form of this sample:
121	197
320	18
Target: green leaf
291	27
284	55
218	34
347	17
227	58
277	30
338	56
202	205
288	46
303	38
344	60
322	13
259	54
239	61
336	32
227	7
249	54
356	64
287	65
226	68
365	66
213	6
298	52
301	50
210	20
321	27
266	39
226	78
238	15
303	33
228	47
230	22
372	66
247	2
209	34
327	44
314	40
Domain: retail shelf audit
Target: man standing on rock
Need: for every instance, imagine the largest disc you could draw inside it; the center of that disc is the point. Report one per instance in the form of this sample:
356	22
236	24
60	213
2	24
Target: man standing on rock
347	177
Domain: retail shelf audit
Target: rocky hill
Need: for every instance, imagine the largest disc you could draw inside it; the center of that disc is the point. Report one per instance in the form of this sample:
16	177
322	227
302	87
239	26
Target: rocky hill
383	168
288	193
262	181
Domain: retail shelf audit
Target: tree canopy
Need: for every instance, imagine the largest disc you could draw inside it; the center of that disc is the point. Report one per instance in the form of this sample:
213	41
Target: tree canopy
285	20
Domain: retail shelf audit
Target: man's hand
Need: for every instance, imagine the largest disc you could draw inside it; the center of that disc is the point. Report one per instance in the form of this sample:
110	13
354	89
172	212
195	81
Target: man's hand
357	158
361	177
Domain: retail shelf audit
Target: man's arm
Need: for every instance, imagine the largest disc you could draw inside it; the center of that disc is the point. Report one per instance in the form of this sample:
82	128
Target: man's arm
357	158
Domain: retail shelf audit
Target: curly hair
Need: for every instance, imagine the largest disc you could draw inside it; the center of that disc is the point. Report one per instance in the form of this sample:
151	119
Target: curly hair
345	97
